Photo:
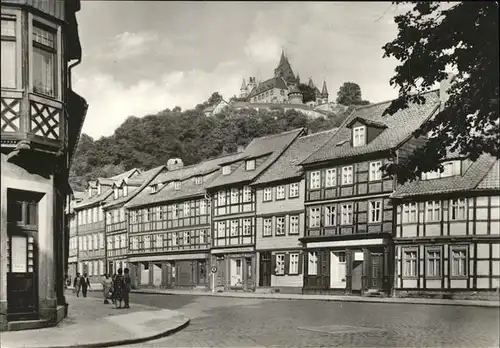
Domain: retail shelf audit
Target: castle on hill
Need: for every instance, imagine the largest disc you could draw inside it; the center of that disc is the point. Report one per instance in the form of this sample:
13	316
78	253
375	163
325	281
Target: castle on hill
281	89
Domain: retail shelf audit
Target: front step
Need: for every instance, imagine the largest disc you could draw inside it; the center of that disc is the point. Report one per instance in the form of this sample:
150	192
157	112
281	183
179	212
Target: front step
27	324
374	293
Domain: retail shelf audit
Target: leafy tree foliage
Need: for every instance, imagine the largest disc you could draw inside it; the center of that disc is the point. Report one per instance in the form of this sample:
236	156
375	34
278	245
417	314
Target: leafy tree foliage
463	38
308	93
350	94
150	141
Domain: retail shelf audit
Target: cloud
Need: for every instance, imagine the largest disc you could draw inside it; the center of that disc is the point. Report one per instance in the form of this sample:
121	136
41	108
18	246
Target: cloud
128	45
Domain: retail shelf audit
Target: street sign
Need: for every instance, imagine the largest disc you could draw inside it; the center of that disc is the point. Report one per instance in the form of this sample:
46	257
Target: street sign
214	269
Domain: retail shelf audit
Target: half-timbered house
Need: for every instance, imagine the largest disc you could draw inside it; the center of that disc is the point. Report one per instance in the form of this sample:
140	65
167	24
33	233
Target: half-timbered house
280	216
234	208
74	199
349	216
448	231
116	235
170	228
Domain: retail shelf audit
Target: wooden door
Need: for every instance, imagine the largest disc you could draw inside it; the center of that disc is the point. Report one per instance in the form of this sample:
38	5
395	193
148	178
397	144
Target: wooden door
22	255
376	271
265	269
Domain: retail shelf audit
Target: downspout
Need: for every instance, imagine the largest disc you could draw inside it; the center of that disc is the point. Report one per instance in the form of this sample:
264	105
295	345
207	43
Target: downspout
71	66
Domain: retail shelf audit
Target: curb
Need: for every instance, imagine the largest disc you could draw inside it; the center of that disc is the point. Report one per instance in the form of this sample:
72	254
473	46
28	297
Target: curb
347	299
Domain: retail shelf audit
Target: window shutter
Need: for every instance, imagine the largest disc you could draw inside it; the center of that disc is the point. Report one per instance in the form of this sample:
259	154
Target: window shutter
273	264
301	261
287	263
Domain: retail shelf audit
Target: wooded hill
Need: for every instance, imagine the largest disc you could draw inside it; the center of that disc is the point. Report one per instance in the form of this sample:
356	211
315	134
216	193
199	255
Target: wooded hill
150	141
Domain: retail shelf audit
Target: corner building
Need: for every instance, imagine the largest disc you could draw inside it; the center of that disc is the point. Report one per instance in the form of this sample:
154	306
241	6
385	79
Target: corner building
349	215
41	119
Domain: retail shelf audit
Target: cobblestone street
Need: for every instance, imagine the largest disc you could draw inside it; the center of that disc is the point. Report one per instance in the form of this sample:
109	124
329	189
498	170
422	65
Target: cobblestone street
230	322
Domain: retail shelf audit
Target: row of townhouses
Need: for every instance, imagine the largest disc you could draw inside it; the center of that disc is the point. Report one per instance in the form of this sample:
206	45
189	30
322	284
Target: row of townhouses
301	213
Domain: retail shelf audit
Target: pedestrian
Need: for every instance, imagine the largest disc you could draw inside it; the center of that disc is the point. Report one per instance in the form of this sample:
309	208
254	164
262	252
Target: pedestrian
113	299
107	285
118	287
85	283
128	285
77	283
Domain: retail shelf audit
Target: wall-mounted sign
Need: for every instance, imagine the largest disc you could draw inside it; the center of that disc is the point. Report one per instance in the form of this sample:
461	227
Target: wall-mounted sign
19	247
214	269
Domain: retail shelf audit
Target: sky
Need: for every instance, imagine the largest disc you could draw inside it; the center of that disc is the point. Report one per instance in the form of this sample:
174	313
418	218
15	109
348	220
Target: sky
142	57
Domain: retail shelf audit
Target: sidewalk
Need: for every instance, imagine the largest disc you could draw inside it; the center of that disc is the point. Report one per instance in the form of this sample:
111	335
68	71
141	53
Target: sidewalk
343	298
90	323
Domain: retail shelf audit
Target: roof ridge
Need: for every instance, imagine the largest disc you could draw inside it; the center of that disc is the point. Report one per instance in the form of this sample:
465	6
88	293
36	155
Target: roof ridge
279	134
390	100
324	131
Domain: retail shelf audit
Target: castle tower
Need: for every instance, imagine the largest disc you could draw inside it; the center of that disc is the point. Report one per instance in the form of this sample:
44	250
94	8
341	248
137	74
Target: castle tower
324	93
243	90
284	70
295	96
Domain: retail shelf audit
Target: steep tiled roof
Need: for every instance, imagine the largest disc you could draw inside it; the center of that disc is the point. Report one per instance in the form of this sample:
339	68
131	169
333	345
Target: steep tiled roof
79	194
105	193
274	82
477	176
399	127
273	145
288	164
125	175
145	178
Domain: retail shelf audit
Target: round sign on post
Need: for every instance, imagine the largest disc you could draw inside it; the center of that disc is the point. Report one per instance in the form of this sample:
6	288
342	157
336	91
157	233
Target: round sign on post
214	269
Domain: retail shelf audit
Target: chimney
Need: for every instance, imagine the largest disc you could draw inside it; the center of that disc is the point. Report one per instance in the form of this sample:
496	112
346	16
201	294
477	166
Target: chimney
174	163
443	90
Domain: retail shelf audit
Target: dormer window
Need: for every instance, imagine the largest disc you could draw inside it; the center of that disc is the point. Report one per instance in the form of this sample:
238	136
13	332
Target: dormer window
154	188
177	185
98	189
90	192
115	192
450	168
250	164
226	170
358	136
125	190
198	180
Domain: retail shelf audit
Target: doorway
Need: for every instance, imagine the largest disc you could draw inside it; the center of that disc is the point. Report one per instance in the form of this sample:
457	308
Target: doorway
236	273
376	272
337	270
265	269
22	255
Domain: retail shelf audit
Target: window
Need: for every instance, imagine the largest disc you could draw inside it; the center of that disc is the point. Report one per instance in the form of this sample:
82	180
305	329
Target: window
314	217
294	224
346	211
174	239
234	228
226	170
10	59
247	227
330	215
203	207
133	217
458	211
90	242
221	198
154	188
358	136
294	264
410	263
90	268
44	74
347	175
294	190
268	195
109	242
147	214
147	242
101	241
280	264
433	268
247	194
116	241
177	185
250	164
159	214
221	229
235	195
312	269
450	168
375	211
187	209
280	192
280	226
375	172
315	180
433	209
459	262
268	227
198	180
96	241
203	236
175	211
187	237
409	213
331	177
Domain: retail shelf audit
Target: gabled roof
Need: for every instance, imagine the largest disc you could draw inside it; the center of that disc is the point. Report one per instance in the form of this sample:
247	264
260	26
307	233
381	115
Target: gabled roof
400	126
481	175
288	164
274	145
125	175
366	122
105	181
145	177
274	82
95	199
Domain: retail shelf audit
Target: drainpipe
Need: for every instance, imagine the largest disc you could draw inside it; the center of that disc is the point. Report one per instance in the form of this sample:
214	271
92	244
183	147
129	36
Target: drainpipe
71	66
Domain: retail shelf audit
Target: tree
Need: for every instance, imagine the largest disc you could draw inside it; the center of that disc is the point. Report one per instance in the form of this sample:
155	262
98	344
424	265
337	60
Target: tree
461	38
308	93
350	94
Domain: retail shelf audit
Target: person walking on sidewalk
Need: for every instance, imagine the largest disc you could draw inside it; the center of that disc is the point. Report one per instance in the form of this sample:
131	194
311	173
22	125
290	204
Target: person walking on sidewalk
128	285
107	285
85	282
118	287
77	284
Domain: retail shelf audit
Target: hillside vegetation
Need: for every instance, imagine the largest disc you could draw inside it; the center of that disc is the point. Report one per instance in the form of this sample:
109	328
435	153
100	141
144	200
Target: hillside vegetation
150	141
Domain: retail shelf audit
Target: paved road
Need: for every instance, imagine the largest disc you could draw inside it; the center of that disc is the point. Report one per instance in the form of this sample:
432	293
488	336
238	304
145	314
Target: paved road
235	322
